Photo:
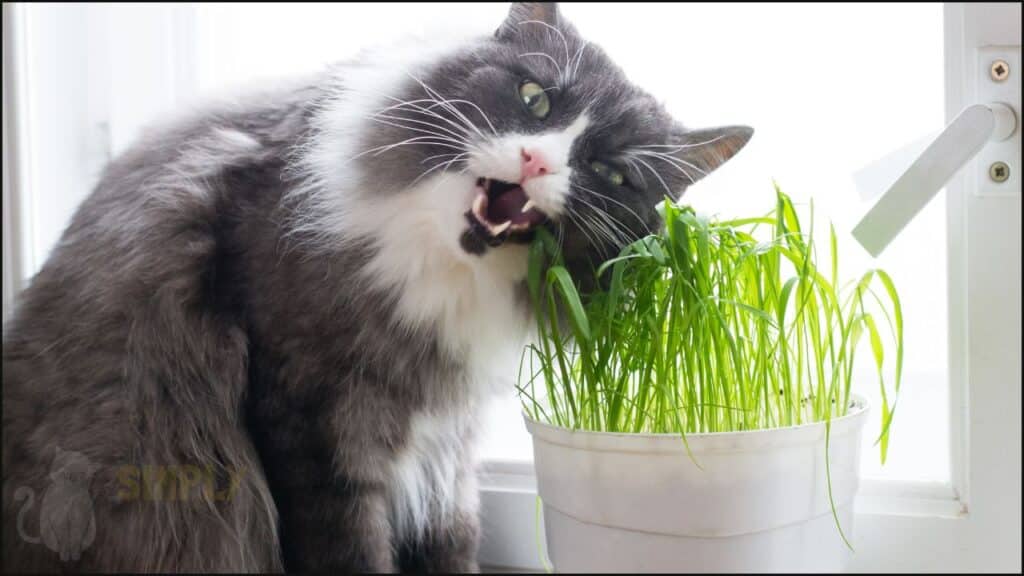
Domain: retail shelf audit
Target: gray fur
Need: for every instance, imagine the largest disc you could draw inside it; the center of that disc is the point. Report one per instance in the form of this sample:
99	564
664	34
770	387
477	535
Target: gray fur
197	312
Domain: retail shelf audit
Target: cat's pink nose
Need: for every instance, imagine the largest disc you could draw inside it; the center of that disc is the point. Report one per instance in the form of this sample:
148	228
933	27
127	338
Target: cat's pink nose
534	164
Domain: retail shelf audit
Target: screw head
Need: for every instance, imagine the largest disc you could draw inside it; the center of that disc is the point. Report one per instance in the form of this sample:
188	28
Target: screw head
999	70
999	172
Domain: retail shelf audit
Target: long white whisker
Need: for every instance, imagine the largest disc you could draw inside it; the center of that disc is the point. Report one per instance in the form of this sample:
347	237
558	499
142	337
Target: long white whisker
425	111
548	56
667	160
445	165
602	230
448	104
557	31
457	136
694	166
424	131
656	175
592	225
440	100
682	146
613	226
415	142
561	236
607	218
632	165
610	199
579	59
674	162
477	108
419	140
606	230
411	106
447	155
572	216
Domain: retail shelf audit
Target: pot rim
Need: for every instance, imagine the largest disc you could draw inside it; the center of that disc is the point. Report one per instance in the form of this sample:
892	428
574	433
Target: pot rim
809	432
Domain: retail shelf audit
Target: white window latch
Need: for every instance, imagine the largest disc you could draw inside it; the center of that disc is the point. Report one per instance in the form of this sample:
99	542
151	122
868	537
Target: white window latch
988	128
965	136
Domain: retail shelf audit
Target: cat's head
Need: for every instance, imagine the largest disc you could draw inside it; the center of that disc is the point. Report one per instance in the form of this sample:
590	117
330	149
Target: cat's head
544	130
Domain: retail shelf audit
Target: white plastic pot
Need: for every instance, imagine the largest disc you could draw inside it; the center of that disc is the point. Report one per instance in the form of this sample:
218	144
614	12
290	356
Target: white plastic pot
639	503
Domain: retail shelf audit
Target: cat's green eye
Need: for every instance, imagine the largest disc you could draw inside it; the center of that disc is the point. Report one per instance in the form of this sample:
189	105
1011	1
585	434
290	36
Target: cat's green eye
608	173
535	99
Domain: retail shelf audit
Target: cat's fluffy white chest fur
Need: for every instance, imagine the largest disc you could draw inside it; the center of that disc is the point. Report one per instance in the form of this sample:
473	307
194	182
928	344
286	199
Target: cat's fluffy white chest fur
469	299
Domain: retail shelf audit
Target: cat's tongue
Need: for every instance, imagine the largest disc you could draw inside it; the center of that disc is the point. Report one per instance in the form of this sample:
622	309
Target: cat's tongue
501	209
506	205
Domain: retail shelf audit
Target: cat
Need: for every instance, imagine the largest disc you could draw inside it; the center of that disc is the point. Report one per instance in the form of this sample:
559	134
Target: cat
66	522
313	291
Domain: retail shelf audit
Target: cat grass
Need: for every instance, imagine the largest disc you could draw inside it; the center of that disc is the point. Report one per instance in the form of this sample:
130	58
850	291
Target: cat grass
709	326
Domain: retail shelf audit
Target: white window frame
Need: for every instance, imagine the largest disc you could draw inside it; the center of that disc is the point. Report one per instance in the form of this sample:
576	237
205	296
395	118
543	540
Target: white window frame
12	164
114	97
971	523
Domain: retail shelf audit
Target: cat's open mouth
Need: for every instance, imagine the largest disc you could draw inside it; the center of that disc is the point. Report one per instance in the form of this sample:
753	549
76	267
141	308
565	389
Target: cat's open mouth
501	210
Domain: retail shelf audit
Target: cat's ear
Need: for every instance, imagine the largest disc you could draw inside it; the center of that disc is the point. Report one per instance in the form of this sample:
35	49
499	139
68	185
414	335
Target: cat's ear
702	151
546	12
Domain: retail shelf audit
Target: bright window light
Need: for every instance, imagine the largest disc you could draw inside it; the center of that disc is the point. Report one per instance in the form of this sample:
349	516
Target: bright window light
828	88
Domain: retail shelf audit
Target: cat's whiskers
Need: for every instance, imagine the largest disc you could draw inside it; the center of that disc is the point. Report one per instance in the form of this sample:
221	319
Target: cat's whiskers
461	101
447	155
416	141
448	105
432	134
442	165
577	220
616	233
632	166
691	165
411	106
460	137
447	139
578	58
655	173
678	147
603	229
673	161
548	56
587	226
556	30
439	165
460	122
607	198
452	158
612	225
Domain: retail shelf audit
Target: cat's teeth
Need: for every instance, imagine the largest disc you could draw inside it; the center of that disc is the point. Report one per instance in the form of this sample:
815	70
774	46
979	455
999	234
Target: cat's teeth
530	204
479	204
501	227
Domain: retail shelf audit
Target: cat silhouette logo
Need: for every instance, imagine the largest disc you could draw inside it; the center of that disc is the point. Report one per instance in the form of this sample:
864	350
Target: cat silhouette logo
67	524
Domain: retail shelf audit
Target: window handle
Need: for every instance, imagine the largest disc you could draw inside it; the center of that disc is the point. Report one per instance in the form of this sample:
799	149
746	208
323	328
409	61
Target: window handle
951	150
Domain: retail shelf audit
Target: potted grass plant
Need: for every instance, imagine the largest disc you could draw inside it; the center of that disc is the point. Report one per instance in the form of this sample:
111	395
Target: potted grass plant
696	412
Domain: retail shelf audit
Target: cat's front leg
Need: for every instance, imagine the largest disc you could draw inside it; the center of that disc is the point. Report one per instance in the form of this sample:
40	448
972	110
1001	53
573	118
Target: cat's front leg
339	526
451	541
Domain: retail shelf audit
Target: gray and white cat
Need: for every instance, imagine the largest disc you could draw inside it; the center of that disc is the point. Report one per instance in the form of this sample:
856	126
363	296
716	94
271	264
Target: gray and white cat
311	293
